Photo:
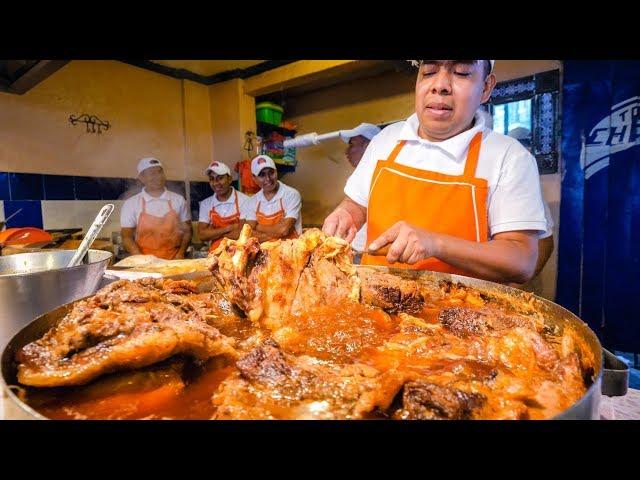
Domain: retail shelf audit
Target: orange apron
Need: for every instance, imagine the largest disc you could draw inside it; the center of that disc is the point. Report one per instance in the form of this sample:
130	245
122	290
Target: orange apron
218	221
159	236
273	219
454	205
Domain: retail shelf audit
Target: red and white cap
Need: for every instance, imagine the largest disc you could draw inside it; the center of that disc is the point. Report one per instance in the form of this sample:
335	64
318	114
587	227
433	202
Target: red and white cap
218	168
261	162
148	162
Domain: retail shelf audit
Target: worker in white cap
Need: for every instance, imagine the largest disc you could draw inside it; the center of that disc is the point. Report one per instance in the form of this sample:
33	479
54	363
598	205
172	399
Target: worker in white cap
358	139
273	212
441	190
155	221
221	213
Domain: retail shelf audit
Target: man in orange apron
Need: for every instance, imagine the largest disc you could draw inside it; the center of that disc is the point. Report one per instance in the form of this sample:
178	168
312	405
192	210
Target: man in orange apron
441	190
155	221
220	214
273	212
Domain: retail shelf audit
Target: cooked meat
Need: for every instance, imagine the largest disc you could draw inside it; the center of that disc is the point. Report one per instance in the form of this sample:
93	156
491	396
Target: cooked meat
427	401
289	276
329	278
296	332
390	293
262	280
271	384
125	326
463	321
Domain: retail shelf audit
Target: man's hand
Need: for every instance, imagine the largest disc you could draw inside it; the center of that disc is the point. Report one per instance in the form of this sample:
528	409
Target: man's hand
345	220
409	244
340	224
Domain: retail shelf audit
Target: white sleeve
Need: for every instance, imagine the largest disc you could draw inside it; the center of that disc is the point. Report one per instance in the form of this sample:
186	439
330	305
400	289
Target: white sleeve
359	183
292	202
549	220
185	214
516	203
248	211
203	214
242	206
128	216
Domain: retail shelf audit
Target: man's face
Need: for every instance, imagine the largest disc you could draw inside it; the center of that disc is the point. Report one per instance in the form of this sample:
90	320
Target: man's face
220	184
153	178
448	93
267	179
356	148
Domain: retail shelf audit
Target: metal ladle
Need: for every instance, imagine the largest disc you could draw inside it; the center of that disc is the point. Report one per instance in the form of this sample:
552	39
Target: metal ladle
91	235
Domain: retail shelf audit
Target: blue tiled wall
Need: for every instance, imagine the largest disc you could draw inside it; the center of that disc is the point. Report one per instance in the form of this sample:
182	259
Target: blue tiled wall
26	190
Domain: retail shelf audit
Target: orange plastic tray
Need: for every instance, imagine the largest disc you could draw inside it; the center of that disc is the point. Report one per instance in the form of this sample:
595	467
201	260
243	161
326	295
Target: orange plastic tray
24	236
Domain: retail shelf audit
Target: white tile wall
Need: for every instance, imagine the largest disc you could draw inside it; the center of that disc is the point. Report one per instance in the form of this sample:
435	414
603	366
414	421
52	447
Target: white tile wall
79	214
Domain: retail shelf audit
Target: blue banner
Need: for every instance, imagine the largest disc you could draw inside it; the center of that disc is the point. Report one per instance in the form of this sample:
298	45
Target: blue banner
599	245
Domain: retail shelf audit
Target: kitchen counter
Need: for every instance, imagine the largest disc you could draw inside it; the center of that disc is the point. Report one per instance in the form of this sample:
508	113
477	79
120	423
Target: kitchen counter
611	408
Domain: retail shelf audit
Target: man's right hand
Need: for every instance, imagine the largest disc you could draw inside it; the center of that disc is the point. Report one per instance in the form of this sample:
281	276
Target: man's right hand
340	223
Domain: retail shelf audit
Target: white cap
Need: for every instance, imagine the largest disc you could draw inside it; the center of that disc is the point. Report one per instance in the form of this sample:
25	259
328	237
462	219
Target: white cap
261	162
416	63
218	168
148	162
367	130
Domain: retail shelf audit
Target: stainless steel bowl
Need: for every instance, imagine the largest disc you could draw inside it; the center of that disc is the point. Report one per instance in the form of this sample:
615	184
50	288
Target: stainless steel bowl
35	283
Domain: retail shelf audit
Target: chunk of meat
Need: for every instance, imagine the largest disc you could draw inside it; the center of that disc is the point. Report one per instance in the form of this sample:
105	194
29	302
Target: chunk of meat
271	384
427	401
390	293
289	276
125	326
464	322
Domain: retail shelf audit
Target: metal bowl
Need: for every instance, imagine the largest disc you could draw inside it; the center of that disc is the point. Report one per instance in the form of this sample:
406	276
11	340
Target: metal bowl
35	283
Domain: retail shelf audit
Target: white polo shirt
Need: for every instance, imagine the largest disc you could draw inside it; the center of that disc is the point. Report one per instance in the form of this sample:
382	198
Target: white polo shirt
156	206
291	202
225	208
515	199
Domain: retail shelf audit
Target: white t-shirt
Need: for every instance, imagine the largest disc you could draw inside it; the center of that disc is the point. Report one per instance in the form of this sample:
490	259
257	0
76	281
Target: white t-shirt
291	202
549	219
225	208
515	199
156	206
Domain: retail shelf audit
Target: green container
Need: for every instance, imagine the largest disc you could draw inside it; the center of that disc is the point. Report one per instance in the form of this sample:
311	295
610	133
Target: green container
268	112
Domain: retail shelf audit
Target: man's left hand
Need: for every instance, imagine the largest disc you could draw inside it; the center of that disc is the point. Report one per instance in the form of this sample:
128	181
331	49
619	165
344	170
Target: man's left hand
409	244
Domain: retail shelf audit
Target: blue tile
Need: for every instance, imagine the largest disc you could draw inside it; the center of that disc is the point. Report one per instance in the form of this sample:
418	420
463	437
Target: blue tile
131	187
30	214
5	191
26	186
58	187
176	187
200	190
87	188
111	188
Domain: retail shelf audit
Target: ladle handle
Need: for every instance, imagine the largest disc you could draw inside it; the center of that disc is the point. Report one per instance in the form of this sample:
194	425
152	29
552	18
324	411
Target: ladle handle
91	235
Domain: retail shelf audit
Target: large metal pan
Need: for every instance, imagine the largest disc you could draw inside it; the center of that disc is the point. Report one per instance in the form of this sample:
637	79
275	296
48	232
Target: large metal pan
555	316
34	283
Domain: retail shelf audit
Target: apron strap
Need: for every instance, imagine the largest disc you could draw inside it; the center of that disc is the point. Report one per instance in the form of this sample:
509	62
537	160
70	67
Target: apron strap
396	151
471	163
